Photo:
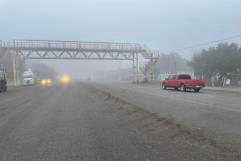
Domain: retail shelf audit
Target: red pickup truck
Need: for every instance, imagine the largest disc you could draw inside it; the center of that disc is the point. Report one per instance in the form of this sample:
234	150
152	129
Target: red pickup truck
182	82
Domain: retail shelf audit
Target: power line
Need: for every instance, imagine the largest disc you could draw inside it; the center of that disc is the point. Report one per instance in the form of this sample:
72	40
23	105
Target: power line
208	43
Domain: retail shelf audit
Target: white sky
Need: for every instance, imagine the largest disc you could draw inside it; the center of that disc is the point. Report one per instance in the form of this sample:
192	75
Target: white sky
162	25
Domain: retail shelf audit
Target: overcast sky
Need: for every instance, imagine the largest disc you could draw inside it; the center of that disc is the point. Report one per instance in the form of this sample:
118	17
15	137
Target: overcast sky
162	25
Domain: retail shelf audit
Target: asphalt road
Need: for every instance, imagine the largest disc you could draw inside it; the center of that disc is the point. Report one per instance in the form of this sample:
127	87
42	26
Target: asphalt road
123	122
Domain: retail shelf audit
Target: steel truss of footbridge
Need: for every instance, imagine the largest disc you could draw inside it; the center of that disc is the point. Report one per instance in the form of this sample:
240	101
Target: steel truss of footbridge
71	50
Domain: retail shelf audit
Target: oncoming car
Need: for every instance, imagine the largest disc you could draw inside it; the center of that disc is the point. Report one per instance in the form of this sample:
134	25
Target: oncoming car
64	79
46	82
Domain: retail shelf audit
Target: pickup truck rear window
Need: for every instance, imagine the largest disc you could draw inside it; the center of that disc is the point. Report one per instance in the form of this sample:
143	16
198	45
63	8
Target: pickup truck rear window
184	76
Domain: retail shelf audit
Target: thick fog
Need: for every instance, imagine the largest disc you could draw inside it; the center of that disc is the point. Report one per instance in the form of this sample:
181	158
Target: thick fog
84	69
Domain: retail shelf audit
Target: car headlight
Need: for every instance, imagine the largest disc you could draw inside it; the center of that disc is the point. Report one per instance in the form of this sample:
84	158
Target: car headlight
43	82
65	79
49	81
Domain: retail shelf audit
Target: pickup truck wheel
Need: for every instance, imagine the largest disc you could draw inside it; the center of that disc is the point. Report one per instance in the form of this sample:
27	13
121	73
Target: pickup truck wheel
164	86
183	88
197	90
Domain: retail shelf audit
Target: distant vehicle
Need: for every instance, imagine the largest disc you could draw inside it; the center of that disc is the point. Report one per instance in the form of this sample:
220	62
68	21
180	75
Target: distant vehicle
64	79
28	78
182	82
3	80
46	82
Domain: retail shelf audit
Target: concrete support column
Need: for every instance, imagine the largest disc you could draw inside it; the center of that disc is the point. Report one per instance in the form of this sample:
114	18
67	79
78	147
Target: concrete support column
14	70
135	67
